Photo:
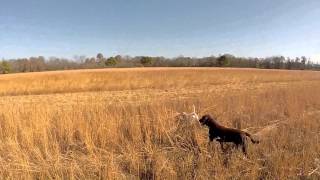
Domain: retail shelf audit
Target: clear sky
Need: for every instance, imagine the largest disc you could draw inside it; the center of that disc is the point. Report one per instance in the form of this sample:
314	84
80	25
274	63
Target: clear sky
197	28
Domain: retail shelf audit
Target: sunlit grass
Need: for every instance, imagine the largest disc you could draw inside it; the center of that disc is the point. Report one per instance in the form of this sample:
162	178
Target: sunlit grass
120	123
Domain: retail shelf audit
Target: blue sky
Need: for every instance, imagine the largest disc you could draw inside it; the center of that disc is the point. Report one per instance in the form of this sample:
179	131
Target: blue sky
65	28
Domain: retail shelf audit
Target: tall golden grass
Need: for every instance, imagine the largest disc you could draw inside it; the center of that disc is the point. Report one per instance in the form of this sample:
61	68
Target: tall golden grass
120	124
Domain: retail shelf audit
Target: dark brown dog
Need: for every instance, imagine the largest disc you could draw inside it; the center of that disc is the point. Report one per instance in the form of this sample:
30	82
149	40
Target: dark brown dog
223	134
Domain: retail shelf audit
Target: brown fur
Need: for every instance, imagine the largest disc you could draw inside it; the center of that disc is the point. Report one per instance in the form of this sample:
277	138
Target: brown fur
223	134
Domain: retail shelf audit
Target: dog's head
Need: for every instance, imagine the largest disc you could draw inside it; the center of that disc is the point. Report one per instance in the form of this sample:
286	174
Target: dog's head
205	119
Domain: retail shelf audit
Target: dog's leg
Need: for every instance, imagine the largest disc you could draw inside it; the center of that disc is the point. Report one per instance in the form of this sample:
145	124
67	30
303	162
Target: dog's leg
237	145
244	146
223	148
211	137
221	145
244	150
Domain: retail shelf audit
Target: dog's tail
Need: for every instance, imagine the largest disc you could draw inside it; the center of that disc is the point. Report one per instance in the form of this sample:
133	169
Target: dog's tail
252	140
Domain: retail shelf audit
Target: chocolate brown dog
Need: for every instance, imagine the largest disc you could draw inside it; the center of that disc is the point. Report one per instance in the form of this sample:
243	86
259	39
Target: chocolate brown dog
223	134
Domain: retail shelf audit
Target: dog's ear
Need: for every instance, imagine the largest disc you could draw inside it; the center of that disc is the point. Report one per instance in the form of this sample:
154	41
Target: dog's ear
204	117
208	118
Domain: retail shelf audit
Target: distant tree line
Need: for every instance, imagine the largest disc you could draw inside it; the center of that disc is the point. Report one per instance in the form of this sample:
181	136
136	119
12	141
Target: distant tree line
36	64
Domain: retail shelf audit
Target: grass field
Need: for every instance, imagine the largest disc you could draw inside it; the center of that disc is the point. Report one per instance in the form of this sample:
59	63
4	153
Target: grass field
120	124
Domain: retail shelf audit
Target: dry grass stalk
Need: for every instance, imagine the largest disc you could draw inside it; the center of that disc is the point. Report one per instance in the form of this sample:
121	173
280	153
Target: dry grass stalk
119	124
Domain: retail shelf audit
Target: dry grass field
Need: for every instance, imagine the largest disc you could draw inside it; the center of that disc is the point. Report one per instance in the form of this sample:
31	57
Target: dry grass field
120	124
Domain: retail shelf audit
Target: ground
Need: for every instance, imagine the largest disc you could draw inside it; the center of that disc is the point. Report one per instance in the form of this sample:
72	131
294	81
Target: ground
120	123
